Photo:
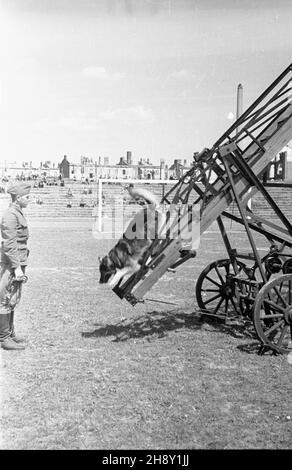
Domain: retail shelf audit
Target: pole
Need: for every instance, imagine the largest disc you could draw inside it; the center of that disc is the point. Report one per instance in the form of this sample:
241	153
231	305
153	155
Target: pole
99	204
239	103
239	111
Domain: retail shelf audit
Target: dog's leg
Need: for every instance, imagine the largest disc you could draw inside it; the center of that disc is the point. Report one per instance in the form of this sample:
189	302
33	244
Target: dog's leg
123	272
119	274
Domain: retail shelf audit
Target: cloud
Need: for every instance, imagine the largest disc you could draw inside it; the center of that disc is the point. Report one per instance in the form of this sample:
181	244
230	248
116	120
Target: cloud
82	122
43	124
25	63
133	113
100	73
183	74
79	122
230	116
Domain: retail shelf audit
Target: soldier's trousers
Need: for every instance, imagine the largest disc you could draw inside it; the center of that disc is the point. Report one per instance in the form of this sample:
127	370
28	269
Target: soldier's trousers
10	295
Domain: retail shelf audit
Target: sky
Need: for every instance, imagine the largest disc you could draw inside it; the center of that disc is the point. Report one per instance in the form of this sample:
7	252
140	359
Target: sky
154	77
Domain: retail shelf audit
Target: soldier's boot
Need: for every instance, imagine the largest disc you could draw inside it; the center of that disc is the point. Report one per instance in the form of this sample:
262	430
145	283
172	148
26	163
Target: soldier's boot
16	339
5	341
11	345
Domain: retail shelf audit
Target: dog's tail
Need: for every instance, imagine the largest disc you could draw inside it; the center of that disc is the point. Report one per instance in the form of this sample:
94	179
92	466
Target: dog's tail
149	197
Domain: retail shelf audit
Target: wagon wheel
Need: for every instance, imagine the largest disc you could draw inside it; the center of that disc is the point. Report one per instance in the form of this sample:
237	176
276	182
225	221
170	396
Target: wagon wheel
272	314
215	291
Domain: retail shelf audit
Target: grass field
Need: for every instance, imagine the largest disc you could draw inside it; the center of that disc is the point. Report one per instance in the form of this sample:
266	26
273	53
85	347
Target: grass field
161	379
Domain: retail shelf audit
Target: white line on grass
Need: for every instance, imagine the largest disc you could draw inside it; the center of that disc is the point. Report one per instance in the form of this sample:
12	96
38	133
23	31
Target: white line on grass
64	268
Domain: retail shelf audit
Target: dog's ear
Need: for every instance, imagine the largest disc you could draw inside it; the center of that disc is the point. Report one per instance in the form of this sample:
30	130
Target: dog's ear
106	262
117	258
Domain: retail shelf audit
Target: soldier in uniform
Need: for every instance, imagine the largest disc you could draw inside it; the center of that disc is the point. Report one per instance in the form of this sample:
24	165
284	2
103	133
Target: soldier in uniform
14	255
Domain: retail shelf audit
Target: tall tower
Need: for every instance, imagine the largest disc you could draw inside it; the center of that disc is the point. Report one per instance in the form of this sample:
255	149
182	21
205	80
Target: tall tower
239	103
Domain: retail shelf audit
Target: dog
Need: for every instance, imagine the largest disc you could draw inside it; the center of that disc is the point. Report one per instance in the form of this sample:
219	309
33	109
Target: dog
123	259
126	256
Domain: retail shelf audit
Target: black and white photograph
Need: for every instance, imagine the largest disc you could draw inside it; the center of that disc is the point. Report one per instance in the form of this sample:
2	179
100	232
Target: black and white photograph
146	227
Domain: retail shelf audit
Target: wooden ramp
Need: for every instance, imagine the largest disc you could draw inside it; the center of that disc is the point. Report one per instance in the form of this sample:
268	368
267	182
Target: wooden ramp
230	170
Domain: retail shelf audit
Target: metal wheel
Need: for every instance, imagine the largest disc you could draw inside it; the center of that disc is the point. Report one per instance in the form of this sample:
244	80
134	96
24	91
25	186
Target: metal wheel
215	291
272	314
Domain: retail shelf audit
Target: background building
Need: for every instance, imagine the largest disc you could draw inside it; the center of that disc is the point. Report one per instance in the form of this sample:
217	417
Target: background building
90	170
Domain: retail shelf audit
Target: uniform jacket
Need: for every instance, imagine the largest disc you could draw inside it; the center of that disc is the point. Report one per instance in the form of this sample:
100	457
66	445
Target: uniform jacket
14	233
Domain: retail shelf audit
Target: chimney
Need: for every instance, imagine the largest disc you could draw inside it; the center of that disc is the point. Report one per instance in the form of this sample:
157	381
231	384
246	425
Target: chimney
162	163
99	161
129	158
106	161
185	163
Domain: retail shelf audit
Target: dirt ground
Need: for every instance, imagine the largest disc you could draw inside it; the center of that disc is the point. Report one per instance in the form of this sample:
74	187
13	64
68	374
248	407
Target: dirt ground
162	379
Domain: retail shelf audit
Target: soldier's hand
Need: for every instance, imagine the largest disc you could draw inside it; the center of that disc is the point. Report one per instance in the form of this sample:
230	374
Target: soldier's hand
18	272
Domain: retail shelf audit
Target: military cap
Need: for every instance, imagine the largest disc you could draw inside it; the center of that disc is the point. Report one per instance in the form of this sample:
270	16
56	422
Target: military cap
19	189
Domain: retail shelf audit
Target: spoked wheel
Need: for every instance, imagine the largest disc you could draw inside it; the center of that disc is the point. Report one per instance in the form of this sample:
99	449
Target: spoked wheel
272	314
215	290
